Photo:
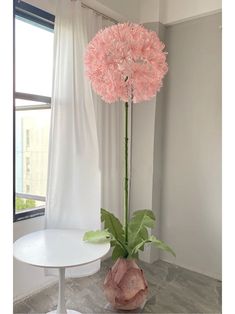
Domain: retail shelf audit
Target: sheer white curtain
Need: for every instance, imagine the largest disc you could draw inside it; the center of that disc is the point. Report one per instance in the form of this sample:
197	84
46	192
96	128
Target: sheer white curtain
84	139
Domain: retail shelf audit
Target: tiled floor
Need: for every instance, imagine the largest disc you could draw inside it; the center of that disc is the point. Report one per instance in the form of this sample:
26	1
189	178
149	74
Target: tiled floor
172	289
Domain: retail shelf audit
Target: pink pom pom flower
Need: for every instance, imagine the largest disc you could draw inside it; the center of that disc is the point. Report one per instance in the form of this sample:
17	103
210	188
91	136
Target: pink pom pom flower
126	58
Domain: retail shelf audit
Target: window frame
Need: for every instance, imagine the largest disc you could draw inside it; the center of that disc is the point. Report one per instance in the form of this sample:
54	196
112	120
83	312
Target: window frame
38	16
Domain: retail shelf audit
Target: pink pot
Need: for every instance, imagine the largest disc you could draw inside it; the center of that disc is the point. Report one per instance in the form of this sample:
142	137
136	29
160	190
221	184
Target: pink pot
125	286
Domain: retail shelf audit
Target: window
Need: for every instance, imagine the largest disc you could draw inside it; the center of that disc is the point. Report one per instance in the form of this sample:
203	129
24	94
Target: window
33	63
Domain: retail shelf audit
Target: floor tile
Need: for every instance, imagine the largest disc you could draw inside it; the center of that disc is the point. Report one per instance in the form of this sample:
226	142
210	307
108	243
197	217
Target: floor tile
172	289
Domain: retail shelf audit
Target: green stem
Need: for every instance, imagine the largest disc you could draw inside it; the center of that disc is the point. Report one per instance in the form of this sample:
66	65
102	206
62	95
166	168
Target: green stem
126	192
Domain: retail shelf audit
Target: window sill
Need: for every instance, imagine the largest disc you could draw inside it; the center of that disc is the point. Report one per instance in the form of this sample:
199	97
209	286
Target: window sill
29	214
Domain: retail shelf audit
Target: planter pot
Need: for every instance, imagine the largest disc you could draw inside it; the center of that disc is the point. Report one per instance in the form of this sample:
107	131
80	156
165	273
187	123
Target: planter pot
125	286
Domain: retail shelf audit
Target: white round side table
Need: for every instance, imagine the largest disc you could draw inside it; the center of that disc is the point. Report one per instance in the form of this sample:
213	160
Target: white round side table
58	248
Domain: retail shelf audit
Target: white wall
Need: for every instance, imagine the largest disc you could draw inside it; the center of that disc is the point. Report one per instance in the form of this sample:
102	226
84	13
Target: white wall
28	279
173	11
143	124
149	11
191	190
130	9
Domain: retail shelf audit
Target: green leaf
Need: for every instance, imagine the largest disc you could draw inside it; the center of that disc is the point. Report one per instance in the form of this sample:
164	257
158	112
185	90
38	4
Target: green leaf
118	251
158	243
133	256
115	228
139	246
99	236
140	219
113	225
147	212
143	234
137	230
161	245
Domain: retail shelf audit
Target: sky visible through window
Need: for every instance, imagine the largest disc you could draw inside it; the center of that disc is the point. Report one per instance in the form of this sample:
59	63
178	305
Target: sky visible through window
33	75
33	57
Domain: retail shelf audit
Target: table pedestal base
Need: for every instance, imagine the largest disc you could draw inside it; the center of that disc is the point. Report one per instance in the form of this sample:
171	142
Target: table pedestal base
61	308
68	312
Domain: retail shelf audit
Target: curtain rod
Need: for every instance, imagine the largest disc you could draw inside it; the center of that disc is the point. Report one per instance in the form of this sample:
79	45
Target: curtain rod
99	13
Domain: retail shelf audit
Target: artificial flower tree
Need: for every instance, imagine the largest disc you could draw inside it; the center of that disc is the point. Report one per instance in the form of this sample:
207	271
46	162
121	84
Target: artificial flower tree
126	62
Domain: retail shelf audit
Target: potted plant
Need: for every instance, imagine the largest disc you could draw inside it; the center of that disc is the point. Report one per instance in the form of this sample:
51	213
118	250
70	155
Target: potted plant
126	62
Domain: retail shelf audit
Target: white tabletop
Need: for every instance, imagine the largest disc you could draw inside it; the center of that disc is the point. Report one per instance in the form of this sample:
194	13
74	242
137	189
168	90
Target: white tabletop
58	248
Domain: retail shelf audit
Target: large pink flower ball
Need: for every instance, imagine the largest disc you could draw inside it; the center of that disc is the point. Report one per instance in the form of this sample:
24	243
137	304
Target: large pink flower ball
126	59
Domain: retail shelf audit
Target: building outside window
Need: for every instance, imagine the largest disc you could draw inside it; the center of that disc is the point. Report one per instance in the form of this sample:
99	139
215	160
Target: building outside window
27	138
33	41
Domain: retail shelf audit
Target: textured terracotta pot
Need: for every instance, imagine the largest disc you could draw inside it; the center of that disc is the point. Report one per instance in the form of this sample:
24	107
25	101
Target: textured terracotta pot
125	286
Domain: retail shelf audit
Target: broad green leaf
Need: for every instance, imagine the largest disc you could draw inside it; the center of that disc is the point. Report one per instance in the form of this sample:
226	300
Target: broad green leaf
118	251
141	218
113	225
139	246
147	212
99	236
158	243
143	234
133	256
137	228
162	245
139	221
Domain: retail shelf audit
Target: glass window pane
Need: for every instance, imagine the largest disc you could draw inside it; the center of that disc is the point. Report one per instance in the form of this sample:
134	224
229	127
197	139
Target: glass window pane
33	58
32	139
23	204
